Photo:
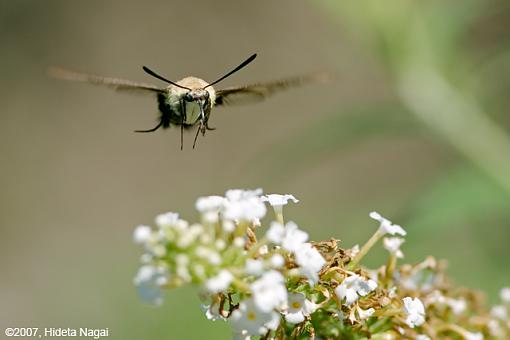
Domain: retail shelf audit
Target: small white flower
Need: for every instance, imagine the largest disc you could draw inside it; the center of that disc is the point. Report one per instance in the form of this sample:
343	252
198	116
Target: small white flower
167	219
504	294
199	271
458	306
209	255
279	200
239	242
299	308
190	236
157	249
289	236
220	244
212	312
422	337
149	280
310	262
210	207
392	293
353	287
142	234
254	267
499	312
435	298
264	250
249	320
210	217
421	280
146	258
206	238
275	233
365	314
183	273
182	260
219	282
239	194
244	205
228	226
269	291
392	244
276	261
387	227
495	329
209	203
415	312
294	237
473	336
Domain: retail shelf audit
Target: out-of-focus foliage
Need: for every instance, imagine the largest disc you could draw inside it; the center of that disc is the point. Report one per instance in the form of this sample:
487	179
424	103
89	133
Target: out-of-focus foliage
448	66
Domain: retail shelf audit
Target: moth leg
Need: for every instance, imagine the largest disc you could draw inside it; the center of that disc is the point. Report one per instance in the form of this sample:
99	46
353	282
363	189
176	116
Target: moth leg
202	128
151	130
183	117
208	127
196	135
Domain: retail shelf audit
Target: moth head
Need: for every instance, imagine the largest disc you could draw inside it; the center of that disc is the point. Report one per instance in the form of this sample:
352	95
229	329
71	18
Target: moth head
204	91
197	95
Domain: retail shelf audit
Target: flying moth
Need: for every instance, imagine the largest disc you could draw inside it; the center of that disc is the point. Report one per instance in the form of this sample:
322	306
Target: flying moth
188	102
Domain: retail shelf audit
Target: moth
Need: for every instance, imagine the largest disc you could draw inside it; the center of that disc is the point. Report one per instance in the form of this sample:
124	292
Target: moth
188	102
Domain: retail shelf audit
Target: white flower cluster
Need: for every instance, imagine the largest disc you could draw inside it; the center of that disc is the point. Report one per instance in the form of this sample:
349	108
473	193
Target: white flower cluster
220	254
499	325
274	283
353	287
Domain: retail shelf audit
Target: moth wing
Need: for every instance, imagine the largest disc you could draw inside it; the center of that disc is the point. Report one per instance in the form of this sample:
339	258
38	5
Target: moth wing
114	83
257	92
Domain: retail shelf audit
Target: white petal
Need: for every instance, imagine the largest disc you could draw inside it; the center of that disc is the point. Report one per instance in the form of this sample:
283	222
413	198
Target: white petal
219	282
294	237
350	296
209	204
275	233
295	318
415	311
142	234
365	314
341	291
505	294
167	219
254	267
277	261
279	200
269	291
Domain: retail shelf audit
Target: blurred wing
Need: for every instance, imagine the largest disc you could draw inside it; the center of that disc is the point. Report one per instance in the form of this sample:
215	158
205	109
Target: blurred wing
114	83
258	92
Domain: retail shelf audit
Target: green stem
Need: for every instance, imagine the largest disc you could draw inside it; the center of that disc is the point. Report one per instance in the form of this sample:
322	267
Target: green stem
278	212
364	250
390	268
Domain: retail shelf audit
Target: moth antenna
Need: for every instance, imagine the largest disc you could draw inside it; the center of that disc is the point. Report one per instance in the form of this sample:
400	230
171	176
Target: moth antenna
243	64
155	75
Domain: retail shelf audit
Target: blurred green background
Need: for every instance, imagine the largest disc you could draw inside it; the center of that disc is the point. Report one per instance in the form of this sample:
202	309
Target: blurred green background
415	126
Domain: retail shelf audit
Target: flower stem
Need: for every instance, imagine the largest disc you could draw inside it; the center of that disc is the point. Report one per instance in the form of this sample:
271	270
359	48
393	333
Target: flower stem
390	268
364	250
278	212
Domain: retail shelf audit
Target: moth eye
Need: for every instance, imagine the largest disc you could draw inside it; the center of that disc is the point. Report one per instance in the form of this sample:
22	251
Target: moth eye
207	94
188	97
